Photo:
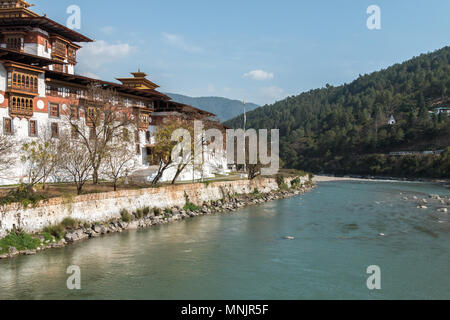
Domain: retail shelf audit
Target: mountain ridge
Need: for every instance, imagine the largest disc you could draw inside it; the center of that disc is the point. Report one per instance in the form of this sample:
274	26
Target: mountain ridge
224	108
344	129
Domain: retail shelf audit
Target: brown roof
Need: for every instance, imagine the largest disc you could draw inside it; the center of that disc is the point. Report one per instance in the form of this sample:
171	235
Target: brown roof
46	24
26	58
120	88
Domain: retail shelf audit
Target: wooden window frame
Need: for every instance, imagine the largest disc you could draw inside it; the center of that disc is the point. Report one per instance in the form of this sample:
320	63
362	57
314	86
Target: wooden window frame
50	110
9	132
35	134
52	126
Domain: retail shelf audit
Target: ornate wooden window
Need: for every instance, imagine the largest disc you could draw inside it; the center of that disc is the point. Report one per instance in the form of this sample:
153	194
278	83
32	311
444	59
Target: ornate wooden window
59	49
7	126
32	128
55	130
14	43
54	110
72	55
58	67
74	112
22	81
20	106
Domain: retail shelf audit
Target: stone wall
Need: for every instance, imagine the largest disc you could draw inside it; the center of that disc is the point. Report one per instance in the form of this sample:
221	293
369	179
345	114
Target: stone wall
105	206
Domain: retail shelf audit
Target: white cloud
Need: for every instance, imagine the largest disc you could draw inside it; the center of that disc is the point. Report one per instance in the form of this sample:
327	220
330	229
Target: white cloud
259	75
178	42
96	54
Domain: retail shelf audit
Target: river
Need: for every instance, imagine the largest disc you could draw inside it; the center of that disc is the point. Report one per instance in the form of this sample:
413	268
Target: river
338	230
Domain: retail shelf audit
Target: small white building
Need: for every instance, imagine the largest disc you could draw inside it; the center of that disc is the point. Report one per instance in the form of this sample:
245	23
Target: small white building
392	121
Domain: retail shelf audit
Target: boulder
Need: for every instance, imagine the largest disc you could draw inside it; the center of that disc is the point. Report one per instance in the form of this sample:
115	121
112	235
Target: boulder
13	252
28	252
444	210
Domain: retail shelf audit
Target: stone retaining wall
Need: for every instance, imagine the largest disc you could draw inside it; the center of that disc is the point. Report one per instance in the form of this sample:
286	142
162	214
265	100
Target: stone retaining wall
105	206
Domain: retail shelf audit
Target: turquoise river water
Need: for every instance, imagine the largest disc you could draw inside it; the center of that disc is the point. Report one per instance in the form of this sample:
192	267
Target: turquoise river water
338	231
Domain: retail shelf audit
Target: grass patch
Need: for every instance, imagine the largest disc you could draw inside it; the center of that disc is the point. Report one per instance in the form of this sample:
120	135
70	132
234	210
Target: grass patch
125	215
69	223
23	194
191	207
58	231
19	240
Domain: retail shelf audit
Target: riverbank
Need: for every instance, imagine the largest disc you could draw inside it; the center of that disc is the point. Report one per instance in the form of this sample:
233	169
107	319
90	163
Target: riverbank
70	229
330	178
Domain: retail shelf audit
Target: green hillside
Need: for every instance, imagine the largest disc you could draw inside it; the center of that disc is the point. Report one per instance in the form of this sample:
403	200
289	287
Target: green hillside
225	109
345	129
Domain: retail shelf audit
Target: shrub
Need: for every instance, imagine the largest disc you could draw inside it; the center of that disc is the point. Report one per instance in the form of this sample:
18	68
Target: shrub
279	180
139	214
24	194
48	238
157	211
168	211
19	240
296	183
191	207
125	215
70	223
58	231
284	186
146	211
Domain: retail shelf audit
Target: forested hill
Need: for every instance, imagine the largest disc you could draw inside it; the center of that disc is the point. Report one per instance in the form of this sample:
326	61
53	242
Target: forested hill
224	108
345	129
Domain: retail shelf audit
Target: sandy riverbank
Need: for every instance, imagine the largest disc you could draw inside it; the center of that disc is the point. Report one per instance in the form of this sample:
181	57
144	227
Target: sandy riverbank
330	178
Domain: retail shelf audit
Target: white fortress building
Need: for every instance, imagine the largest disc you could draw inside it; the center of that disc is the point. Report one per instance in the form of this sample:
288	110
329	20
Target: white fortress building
38	87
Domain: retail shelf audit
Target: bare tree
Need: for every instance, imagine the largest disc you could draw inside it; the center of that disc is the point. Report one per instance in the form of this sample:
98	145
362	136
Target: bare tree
40	157
103	117
75	161
119	161
7	147
164	146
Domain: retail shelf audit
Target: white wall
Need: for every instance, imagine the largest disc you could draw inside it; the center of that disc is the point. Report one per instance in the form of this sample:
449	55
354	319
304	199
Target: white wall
3	78
105	206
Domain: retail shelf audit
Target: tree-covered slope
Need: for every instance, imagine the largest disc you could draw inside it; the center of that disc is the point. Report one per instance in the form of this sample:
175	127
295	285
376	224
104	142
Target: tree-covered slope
224	108
345	129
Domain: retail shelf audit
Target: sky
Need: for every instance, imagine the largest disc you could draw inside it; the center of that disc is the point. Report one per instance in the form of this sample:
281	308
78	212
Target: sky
254	50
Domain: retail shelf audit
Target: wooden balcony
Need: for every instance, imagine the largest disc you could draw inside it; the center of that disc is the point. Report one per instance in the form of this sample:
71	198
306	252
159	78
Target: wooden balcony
23	88
17	47
20	107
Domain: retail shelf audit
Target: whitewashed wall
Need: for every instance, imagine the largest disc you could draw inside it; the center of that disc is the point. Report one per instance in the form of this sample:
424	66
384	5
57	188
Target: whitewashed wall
105	206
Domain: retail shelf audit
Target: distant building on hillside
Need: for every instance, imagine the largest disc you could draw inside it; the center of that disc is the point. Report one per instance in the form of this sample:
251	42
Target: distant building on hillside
392	121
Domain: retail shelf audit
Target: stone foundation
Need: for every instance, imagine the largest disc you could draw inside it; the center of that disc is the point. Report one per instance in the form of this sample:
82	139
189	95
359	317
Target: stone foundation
107	206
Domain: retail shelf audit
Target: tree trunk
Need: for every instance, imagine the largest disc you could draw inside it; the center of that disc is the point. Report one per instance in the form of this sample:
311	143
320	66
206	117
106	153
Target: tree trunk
95	176
115	185
179	171
162	168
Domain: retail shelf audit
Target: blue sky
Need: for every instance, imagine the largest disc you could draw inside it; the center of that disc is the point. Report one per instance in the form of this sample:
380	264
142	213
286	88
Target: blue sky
256	50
